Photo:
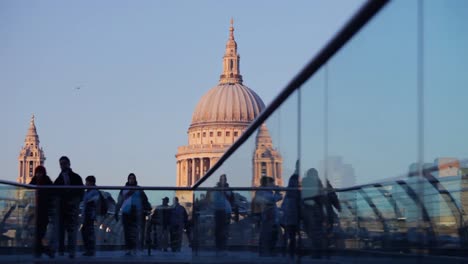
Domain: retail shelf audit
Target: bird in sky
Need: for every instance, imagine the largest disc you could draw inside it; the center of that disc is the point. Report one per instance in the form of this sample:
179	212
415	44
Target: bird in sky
78	87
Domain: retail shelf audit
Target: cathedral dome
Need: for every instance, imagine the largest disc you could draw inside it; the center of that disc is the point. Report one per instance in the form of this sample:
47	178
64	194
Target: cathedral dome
228	102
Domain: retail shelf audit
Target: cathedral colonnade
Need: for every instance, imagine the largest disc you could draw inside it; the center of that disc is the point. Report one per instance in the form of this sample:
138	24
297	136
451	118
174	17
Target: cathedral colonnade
194	168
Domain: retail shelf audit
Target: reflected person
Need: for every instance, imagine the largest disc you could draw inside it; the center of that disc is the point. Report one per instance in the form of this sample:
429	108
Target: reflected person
291	208
221	200
313	211
269	219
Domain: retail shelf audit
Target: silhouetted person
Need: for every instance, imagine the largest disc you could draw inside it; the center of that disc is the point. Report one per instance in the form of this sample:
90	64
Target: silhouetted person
331	202
160	224
178	221
68	206
43	206
134	204
313	211
91	201
269	219
221	201
291	208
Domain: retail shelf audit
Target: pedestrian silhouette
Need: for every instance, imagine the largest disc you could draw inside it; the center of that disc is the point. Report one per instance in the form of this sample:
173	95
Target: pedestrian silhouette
134	205
68	206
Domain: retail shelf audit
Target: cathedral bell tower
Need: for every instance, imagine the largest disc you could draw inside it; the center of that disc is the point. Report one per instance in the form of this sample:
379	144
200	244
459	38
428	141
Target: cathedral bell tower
267	161
31	155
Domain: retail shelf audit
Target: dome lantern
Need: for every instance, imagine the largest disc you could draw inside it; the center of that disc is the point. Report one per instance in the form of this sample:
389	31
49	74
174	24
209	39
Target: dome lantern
231	72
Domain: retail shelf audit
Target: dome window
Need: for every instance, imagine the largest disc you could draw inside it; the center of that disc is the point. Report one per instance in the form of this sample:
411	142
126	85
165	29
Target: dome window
204	134
236	133
219	133
211	134
228	134
198	134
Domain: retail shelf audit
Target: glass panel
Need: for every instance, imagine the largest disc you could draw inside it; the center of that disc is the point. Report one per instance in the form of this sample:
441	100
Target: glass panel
17	210
142	223
223	223
445	81
372	98
360	137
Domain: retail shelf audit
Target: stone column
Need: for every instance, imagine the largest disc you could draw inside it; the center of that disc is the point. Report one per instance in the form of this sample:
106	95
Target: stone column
193	172
19	171
177	173
201	168
184	172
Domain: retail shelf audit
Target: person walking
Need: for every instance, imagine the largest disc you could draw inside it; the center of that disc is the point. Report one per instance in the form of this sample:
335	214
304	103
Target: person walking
134	204
160	224
221	201
269	219
68	200
91	201
313	216
43	206
291	208
178	221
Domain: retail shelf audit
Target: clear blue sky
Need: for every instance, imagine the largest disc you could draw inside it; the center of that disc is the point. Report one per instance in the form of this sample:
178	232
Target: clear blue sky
142	67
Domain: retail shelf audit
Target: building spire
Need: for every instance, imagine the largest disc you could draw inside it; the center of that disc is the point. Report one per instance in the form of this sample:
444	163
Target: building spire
31	155
231	60
32	132
231	30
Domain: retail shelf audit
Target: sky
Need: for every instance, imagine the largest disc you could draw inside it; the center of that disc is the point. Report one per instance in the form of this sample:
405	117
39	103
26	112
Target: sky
141	67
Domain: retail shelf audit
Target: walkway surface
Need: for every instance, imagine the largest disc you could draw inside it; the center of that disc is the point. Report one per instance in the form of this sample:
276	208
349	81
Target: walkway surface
186	256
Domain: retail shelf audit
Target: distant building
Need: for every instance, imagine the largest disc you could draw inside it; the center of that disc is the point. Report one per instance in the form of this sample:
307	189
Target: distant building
220	117
447	166
338	173
31	155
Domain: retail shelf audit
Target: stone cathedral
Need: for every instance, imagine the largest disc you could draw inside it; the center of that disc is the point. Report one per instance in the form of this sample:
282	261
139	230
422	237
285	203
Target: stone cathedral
220	117
31	155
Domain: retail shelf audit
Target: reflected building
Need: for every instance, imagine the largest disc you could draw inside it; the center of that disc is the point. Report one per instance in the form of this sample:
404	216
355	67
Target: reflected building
447	166
219	118
338	173
444	184
267	161
31	155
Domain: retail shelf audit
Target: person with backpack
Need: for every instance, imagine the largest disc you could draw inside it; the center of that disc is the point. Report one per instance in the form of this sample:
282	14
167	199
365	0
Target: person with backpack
135	207
91	206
